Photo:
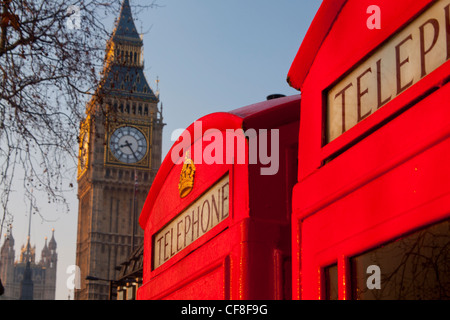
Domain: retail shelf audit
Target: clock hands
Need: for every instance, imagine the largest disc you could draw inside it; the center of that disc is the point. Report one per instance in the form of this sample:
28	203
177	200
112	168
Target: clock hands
127	144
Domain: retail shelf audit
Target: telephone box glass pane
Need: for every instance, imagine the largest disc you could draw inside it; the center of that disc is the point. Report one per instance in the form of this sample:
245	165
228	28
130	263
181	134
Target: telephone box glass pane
331	282
416	267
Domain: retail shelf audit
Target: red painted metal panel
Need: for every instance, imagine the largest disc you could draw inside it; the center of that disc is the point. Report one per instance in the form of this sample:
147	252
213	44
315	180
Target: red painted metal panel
411	194
381	179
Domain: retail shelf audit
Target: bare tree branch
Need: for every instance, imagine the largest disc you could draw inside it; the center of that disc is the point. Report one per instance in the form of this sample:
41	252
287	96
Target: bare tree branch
48	72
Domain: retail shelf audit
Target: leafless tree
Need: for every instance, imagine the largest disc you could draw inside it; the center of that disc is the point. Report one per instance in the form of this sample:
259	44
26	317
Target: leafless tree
51	56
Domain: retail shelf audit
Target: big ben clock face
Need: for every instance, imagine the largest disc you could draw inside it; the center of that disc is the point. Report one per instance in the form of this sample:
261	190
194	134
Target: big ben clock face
128	145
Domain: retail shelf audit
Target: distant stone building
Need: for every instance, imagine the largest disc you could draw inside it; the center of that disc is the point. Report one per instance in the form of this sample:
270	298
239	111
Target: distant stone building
43	273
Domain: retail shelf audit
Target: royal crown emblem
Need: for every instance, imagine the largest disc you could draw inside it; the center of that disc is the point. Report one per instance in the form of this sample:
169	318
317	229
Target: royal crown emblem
187	176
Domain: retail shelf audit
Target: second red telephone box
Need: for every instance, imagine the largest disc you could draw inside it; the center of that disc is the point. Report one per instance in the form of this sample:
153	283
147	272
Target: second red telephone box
217	218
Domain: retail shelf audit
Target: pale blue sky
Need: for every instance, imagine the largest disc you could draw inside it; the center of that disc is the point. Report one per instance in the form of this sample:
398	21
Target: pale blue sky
210	56
221	55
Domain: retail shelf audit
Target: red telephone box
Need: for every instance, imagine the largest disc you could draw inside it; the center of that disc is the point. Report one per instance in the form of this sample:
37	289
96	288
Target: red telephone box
371	206
217	217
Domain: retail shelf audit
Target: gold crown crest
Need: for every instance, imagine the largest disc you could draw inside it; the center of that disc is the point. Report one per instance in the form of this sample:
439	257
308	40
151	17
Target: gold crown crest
187	176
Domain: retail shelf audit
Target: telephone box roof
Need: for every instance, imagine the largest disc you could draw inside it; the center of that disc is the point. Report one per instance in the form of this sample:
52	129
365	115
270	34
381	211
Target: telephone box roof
267	114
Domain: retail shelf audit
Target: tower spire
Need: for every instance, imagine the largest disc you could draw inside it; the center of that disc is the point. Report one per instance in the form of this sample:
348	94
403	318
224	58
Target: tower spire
123	74
27	286
125	28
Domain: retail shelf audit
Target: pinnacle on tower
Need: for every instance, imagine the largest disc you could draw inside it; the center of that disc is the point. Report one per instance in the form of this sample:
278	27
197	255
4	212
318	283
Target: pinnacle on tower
52	243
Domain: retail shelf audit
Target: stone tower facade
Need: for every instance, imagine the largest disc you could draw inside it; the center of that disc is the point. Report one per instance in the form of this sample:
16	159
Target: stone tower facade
43	273
120	153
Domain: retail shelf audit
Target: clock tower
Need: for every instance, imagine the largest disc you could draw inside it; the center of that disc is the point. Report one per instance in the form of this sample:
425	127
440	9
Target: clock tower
119	155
